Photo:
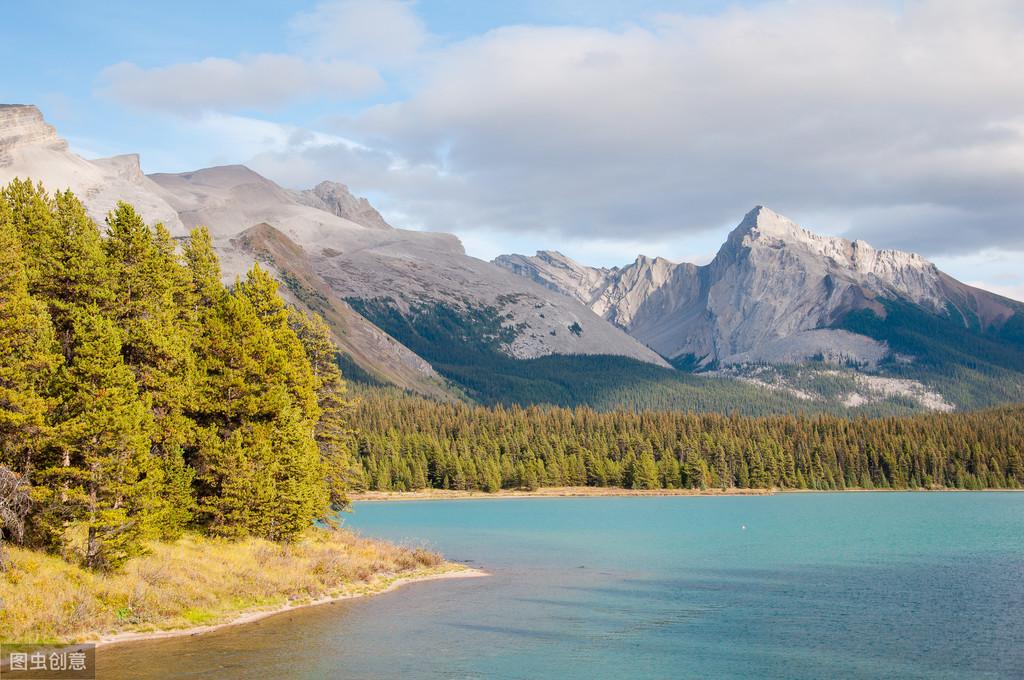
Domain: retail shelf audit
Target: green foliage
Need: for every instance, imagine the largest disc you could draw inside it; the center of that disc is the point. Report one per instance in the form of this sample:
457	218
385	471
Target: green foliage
332	433
974	368
355	373
139	396
408	443
258	470
106	482
29	357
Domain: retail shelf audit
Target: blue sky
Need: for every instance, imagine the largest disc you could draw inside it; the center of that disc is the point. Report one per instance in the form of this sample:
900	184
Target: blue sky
602	129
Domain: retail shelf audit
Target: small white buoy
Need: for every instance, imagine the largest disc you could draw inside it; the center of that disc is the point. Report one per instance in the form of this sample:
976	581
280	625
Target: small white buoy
743	527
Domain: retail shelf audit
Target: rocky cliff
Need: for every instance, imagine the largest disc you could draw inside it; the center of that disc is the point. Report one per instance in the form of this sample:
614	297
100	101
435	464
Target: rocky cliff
30	148
335	198
774	292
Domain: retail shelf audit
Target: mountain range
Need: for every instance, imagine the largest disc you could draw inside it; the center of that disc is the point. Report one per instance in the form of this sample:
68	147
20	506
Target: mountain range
781	318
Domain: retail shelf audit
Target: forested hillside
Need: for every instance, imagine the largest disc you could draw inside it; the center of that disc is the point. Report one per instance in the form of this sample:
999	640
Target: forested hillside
408	443
973	366
140	396
464	345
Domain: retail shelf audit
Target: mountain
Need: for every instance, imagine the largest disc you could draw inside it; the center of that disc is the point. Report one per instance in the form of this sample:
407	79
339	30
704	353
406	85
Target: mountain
406	272
778	294
384	290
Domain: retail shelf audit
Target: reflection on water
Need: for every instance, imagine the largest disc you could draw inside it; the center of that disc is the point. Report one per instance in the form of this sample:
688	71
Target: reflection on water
820	585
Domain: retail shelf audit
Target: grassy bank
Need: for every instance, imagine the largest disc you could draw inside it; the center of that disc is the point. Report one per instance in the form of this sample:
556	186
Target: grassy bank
197	581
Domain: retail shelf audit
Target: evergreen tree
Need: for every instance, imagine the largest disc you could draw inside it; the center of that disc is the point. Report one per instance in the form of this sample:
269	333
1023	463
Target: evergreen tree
151	302
258	409
645	472
333	434
29	358
108	480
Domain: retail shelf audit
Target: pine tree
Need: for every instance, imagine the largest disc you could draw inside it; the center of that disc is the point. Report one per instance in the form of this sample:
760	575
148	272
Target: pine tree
204	272
152	304
257	410
30	212
645	471
108	480
333	435
302	493
29	358
68	251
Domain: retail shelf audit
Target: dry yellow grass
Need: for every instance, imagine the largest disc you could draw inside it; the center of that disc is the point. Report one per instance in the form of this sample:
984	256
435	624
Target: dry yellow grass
194	581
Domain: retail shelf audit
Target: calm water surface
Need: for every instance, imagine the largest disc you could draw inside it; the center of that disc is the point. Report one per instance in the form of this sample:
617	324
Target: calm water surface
871	585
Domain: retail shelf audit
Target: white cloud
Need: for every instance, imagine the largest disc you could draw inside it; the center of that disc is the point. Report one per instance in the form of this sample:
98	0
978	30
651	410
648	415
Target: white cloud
382	32
998	270
261	81
1012	292
902	125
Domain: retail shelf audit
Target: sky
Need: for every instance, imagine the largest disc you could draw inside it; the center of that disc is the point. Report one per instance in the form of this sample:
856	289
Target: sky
600	129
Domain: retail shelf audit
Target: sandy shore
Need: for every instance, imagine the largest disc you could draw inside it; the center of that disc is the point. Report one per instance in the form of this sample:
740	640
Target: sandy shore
593	491
380	587
549	492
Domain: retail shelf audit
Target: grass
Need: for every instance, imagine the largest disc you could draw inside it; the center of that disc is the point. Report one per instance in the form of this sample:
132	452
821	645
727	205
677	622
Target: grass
194	581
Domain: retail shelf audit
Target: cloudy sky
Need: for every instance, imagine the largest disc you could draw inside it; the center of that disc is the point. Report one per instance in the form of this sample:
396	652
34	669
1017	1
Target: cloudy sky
601	129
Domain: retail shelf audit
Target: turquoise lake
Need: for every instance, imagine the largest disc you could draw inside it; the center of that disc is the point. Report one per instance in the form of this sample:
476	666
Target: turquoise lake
855	585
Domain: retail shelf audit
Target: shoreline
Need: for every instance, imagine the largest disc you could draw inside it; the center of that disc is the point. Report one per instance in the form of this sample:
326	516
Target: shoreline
611	492
388	584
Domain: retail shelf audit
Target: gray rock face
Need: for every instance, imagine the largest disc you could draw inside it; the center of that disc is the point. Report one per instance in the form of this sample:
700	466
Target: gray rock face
22	125
616	293
335	198
770	294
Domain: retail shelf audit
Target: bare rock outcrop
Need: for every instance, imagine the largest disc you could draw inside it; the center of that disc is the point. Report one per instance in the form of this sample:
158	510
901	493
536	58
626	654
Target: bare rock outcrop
22	125
335	198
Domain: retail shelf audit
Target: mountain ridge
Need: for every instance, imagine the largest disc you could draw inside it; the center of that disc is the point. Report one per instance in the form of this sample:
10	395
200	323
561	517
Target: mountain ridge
348	250
779	294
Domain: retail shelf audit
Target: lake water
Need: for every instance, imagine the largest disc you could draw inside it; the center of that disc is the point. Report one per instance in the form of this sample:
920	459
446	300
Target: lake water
857	585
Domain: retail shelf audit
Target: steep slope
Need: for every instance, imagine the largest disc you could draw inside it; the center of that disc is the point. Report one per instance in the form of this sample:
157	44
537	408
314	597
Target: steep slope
779	294
30	148
375	355
403	270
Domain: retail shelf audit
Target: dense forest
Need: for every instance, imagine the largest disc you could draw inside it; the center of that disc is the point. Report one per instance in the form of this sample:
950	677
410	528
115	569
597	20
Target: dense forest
140	396
408	443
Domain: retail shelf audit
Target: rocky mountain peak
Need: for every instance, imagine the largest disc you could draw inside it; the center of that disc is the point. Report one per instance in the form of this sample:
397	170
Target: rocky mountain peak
23	125
766	225
773	293
335	198
125	166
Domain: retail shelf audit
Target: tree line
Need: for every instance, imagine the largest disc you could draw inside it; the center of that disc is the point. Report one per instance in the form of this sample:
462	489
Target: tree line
406	443
139	396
